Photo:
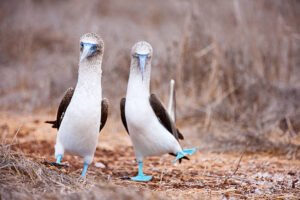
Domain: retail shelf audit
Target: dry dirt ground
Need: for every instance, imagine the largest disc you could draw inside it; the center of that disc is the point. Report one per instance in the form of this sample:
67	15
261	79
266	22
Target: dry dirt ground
28	146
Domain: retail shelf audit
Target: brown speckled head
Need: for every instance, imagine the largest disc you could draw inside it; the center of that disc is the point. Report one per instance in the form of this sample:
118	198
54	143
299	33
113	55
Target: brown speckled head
141	56
91	48
142	48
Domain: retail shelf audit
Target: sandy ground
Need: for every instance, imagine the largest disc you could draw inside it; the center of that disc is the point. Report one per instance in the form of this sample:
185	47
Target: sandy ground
208	174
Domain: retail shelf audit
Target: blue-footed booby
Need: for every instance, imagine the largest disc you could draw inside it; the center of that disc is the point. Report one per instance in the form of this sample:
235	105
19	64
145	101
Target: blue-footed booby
82	112
151	129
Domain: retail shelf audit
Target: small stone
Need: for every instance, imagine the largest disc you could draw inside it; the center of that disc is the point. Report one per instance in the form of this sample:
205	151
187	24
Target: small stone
100	165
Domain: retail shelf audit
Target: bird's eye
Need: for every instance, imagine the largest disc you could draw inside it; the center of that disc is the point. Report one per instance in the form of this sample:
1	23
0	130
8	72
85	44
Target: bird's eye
94	48
81	46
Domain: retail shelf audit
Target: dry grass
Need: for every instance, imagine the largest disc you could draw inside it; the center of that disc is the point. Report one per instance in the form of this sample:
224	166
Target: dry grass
27	178
210	174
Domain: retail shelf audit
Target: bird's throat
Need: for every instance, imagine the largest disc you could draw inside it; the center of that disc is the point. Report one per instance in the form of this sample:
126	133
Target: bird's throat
89	74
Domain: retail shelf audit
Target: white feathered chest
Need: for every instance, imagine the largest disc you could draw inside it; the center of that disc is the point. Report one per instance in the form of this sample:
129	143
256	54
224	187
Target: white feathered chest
80	126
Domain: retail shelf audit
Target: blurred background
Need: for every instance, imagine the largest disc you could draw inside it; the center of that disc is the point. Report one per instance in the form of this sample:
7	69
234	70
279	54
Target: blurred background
236	63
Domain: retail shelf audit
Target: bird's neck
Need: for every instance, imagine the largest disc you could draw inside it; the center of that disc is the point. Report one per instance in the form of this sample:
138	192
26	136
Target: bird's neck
138	85
89	75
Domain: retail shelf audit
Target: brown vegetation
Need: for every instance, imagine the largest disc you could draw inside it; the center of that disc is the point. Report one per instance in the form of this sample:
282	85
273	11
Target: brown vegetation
25	171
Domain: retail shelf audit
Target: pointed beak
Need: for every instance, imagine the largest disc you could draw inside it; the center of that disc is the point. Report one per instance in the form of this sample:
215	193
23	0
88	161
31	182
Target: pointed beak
142	63
86	52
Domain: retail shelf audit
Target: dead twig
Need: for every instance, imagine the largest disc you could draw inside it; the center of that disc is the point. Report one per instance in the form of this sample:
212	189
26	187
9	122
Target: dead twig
16	134
237	166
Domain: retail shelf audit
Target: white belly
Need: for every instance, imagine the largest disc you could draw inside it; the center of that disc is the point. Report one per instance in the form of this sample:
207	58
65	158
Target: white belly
148	135
79	130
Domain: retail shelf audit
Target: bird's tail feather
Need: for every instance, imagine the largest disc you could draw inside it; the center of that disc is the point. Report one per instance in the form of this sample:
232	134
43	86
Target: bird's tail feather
54	123
180	159
50	122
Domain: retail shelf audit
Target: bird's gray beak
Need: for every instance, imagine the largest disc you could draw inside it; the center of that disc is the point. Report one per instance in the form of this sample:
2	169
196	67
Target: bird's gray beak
142	63
86	52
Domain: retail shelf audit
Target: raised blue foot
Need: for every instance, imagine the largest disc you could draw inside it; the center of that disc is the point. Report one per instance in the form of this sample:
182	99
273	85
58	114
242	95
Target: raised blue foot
141	177
189	151
184	152
58	158
84	170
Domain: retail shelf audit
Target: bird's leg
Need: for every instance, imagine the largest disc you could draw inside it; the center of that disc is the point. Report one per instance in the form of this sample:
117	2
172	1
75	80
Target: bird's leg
141	177
59	158
59	152
84	170
184	152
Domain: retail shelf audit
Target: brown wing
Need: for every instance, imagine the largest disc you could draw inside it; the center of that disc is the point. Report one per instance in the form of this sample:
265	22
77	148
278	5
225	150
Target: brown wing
62	108
123	116
104	112
164	117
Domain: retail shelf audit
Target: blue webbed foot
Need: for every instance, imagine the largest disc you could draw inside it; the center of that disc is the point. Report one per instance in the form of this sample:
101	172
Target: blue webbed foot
189	151
84	170
184	153
141	178
59	158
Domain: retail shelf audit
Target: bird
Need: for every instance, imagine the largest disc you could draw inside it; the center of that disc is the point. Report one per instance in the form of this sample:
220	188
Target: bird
82	112
144	117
